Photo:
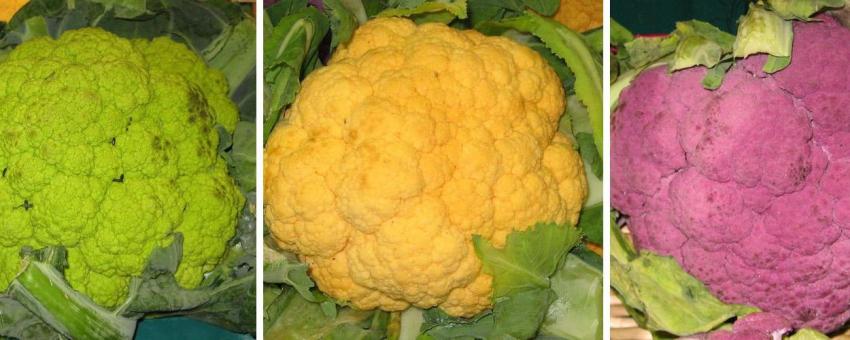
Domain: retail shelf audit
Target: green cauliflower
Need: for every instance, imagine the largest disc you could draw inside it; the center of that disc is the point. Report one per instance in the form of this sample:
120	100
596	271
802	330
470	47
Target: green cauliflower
108	147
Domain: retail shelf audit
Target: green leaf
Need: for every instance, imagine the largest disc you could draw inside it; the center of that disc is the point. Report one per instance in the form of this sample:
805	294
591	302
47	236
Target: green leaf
622	249
700	44
43	291
288	47
776	64
714	78
763	31
359	9
677	303
287	270
33	27
234	53
439	325
593	39
590	223
17	322
455	7
620	34
125	9
576	313
808	334
343	23
801	9
528	258
521	286
219	299
242	156
645	51
576	123
519	314
282	9
665	297
543	7
404	3
482	11
302	319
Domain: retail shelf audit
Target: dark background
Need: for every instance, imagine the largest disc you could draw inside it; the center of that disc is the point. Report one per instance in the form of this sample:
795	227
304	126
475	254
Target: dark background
660	16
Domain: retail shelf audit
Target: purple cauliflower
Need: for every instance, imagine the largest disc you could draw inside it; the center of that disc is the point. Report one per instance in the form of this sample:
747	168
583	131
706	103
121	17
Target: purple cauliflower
747	186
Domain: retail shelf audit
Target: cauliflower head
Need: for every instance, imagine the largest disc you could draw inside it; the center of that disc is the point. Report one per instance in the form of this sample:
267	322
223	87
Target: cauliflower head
108	148
747	186
579	15
409	142
8	8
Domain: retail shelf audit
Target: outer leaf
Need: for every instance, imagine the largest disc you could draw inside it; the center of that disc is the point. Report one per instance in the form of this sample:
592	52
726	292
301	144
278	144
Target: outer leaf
18	322
776	64
579	126
808	334
590	223
219	300
286	270
528	259
678	303
358	8
544	7
31	28
645	51
43	290
243	155
715	75
801	9
620	34
700	44
234	53
438	325
520	314
126	9
291	43
763	31
663	296
282	9
482	11
302	319
343	23
455	7
577	311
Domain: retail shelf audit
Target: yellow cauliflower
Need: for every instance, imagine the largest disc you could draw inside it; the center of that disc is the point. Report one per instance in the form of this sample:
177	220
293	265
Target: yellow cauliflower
8	8
580	15
409	142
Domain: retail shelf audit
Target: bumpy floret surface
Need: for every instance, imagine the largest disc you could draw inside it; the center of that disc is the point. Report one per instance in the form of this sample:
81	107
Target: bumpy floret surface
748	186
109	147
409	142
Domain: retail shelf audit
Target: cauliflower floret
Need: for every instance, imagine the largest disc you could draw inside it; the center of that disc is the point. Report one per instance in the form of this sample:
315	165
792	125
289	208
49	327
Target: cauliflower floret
579	15
747	186
409	142
109	147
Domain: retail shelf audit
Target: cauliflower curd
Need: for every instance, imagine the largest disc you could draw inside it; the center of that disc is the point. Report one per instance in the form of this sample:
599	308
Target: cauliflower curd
746	186
579	15
108	148
409	142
